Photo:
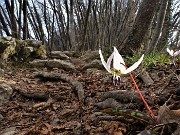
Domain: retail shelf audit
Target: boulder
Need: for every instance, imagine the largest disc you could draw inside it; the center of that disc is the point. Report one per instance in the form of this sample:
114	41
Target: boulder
72	54
8	131
20	49
32	49
33	43
59	55
1	72
5	93
94	64
90	56
7	48
53	64
27	51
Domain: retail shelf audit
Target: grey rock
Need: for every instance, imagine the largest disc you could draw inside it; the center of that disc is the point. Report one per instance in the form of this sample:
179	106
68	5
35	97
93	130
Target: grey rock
9	131
146	78
5	93
59	55
90	56
7	48
53	64
94	64
72	54
1	72
27	51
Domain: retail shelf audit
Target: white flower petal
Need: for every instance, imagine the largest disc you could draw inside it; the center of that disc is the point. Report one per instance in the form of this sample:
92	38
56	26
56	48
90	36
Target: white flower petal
176	53
133	67
170	51
118	60
103	62
110	60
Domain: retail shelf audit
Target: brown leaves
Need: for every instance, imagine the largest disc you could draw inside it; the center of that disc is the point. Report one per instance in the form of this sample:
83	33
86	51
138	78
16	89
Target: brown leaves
115	128
43	105
52	107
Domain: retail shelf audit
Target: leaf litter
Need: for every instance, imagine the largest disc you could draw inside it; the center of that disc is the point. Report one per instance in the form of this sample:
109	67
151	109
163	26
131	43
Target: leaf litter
55	107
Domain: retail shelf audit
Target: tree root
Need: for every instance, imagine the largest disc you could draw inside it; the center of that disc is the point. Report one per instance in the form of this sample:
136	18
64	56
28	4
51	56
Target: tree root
123	96
78	87
33	95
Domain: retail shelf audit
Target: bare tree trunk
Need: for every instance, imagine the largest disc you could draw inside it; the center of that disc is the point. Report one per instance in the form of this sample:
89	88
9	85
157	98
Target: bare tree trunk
82	47
13	20
5	28
19	19
25	19
141	25
129	19
39	22
72	27
159	25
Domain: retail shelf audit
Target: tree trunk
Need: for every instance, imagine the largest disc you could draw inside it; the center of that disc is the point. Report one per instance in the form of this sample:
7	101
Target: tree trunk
24	19
141	25
19	19
72	27
159	25
13	20
82	47
5	28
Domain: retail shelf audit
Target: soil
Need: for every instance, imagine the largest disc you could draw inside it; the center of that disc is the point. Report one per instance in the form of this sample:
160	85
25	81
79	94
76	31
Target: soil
53	106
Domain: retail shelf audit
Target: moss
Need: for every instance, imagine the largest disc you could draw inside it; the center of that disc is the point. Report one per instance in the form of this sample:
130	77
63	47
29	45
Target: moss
39	52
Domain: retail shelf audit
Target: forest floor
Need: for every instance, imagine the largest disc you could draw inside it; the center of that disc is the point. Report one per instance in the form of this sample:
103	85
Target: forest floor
42	106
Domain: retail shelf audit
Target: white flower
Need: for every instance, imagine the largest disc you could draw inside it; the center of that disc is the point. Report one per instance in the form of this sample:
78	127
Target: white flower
172	52
119	66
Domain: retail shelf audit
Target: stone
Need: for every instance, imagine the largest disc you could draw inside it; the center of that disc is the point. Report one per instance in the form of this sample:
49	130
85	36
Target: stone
59	55
33	43
5	93
53	64
26	51
7	48
72	54
94	64
22	50
9	131
90	56
146	78
1	72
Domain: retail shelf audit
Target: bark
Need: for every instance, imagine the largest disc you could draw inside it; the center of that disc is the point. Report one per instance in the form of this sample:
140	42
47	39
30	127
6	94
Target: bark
72	27
33	23
38	21
13	20
5	28
129	21
163	41
82	47
19	19
141	25
44	76
25	25
159	25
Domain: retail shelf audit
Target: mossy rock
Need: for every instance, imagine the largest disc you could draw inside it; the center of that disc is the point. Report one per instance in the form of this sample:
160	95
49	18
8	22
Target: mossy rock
39	52
7	48
33	43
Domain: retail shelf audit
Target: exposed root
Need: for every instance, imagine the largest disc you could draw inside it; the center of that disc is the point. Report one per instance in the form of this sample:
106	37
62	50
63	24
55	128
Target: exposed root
78	87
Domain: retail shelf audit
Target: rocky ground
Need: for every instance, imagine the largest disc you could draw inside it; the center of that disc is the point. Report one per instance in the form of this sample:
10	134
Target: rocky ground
53	101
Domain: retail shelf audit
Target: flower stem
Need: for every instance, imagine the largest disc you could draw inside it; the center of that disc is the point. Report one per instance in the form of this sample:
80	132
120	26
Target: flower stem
140	94
144	101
